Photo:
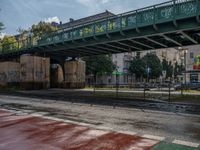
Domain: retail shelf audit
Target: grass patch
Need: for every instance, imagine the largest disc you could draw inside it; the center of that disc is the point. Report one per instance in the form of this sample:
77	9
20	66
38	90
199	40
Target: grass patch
189	98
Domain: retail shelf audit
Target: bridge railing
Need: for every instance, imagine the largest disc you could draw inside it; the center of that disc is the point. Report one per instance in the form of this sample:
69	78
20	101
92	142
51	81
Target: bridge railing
168	11
152	15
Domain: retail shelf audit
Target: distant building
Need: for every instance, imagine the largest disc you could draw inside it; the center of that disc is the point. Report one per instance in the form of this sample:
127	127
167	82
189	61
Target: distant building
73	23
193	64
123	60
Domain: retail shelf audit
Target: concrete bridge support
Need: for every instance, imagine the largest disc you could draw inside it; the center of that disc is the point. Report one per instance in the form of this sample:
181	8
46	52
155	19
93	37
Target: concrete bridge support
9	73
74	74
34	72
56	76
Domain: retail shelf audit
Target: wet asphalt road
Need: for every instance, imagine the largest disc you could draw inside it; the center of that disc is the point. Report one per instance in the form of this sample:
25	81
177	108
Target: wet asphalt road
165	124
88	97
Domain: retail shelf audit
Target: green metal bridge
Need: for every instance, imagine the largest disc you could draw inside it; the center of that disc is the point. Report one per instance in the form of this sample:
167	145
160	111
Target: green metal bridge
171	24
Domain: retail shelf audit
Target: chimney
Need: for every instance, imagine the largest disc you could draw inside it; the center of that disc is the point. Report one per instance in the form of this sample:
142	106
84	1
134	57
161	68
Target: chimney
71	19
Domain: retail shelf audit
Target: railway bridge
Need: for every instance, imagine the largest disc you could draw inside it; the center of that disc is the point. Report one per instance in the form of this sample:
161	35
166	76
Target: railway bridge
174	23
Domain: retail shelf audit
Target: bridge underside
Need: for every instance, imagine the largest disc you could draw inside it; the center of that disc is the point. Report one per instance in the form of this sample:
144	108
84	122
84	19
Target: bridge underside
171	34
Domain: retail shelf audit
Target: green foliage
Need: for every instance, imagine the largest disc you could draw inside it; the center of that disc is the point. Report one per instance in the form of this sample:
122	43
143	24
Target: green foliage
197	61
165	64
170	70
42	28
36	31
101	64
176	70
1	26
168	67
153	62
9	43
138	67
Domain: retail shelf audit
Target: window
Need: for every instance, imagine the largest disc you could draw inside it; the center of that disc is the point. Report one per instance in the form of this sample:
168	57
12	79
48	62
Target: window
191	55
193	77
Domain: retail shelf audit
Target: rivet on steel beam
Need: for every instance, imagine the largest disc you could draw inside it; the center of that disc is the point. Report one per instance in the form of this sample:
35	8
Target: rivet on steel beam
138	30
198	19
122	33
155	27
108	36
175	23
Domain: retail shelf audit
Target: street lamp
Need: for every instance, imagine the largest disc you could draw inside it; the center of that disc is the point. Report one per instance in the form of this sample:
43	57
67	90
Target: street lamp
184	51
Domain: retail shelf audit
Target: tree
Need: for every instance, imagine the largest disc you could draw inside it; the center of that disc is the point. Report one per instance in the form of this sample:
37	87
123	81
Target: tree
165	64
36	31
23	37
9	43
153	62
138	67
168	67
42	28
176	70
170	70
1	26
23	33
99	65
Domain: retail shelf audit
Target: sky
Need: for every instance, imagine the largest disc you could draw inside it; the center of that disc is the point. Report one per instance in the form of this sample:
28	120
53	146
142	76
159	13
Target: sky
24	13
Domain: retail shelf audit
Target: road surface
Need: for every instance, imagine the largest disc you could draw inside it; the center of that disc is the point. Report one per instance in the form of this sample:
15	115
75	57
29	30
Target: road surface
153	125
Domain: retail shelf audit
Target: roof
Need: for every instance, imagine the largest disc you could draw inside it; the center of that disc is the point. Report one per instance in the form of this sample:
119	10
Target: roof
96	17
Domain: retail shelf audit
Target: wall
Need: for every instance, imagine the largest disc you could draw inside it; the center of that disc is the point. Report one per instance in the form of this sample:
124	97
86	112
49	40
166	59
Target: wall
9	73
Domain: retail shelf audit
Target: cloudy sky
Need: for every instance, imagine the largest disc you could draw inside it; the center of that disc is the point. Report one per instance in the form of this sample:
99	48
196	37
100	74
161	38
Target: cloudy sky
24	13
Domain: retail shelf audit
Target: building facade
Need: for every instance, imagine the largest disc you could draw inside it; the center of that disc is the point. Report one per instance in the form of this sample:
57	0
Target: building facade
192	64
123	60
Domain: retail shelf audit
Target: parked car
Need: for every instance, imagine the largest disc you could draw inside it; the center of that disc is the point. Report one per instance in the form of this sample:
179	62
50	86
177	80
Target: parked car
188	86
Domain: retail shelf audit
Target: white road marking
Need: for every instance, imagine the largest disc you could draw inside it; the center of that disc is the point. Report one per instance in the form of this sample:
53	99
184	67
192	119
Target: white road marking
159	138
104	128
186	143
127	132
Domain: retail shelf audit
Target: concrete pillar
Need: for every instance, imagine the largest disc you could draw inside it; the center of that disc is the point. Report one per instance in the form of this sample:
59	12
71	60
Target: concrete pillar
74	74
34	72
9	73
57	76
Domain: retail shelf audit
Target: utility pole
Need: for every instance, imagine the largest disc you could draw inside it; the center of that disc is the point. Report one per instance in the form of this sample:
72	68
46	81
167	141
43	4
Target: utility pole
185	68
117	84
185	62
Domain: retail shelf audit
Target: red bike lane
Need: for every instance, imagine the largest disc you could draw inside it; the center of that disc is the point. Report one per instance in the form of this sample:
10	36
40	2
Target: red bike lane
25	132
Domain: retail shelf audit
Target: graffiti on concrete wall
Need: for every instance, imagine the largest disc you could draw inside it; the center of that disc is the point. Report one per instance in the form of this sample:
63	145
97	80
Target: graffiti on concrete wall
13	76
10	76
2	76
39	75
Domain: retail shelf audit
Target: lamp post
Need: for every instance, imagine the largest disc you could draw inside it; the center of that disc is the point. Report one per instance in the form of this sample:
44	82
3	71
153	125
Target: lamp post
184	51
185	62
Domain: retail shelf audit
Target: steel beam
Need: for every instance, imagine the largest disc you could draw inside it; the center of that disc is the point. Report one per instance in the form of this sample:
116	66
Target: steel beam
105	48
95	50
142	44
130	46
56	54
188	37
156	42
59	54
85	50
172	40
109	45
75	51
